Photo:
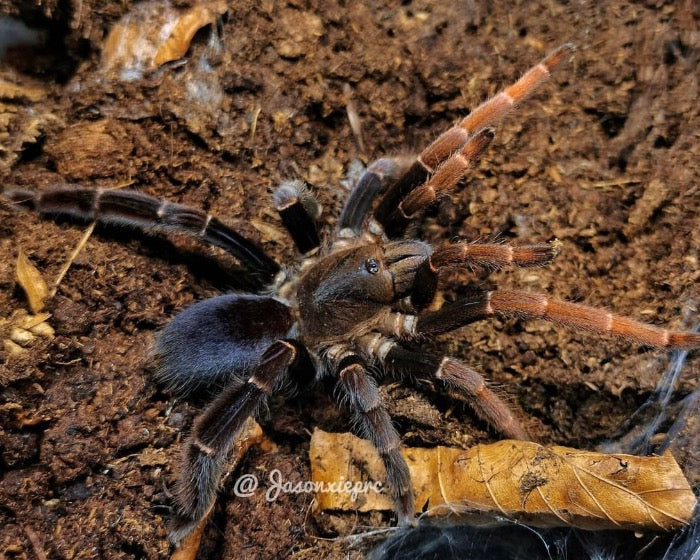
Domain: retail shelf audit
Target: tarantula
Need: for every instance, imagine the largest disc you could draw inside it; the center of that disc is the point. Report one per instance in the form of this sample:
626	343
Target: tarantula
355	305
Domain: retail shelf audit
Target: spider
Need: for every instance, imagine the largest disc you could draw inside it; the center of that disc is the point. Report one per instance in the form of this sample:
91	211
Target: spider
356	304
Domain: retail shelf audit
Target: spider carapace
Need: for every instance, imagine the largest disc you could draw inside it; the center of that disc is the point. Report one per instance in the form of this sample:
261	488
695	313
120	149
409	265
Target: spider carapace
356	304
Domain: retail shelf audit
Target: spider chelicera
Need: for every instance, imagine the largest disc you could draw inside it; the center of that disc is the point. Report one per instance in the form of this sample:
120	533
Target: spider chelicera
356	304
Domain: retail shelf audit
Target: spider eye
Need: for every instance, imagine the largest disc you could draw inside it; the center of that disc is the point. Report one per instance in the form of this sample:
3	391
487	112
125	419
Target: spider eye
372	266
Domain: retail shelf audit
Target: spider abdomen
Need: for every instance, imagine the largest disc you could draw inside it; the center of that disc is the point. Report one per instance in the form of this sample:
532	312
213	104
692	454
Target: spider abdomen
218	340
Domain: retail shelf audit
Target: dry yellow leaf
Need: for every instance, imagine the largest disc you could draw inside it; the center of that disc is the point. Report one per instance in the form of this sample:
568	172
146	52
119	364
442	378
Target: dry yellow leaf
31	281
29	322
541	486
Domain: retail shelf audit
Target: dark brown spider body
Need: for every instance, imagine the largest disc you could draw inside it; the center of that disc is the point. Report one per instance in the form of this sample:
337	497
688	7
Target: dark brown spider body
329	290
357	305
348	291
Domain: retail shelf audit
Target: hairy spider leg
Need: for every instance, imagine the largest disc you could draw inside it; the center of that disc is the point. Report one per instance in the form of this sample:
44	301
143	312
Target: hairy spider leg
450	141
299	210
373	423
491	256
528	305
446	177
121	207
372	183
206	449
403	363
450	172
586	318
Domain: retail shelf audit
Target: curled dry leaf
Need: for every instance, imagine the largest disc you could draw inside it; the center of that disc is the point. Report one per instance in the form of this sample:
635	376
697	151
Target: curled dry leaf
189	546
541	486
189	22
152	34
31	281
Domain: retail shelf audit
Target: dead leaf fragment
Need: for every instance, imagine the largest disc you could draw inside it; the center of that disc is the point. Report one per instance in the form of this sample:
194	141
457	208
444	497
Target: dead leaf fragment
189	22
20	329
152	34
541	486
20	92
31	281
189	546
21	123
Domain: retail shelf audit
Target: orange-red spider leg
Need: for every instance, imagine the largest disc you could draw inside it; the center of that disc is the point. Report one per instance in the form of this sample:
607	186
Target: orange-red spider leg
586	318
448	174
494	109
483	401
454	138
527	305
491	256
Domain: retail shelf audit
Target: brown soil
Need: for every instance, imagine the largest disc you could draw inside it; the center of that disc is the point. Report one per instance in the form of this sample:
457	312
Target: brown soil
605	158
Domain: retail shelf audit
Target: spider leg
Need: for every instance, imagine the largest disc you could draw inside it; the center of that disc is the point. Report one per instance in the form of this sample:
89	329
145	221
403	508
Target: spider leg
540	306
299	210
486	114
138	210
446	177
374	424
451	373
586	318
492	256
206	449
369	186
